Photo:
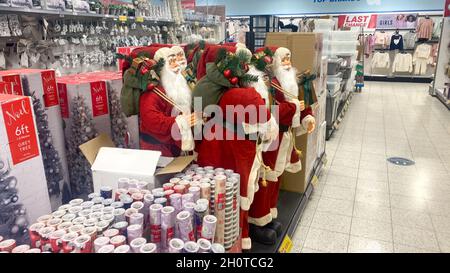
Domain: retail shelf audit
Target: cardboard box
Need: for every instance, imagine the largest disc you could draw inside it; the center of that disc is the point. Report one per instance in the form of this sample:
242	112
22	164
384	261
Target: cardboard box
113	83
108	164
95	95
42	84
21	168
306	48
114	163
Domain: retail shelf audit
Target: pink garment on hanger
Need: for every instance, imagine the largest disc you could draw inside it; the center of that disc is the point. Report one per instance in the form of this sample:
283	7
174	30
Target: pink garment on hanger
425	29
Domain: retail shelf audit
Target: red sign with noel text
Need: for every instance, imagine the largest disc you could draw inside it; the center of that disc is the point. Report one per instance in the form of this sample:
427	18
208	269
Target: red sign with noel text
99	99
21	131
63	101
49	86
366	21
6	88
16	82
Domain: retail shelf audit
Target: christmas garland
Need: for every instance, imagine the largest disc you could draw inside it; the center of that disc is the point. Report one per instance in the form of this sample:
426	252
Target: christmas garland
263	60
234	67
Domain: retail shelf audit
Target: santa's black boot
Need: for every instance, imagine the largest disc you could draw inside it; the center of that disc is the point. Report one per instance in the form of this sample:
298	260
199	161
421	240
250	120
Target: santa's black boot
276	226
263	235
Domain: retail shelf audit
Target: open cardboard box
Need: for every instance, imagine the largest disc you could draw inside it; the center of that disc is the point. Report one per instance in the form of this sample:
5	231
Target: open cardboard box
108	164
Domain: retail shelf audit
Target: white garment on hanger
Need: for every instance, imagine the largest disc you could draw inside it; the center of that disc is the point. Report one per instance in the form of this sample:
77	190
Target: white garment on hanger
422	58
403	63
381	60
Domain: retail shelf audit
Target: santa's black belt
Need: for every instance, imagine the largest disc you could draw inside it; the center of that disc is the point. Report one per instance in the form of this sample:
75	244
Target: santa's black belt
148	139
283	128
239	130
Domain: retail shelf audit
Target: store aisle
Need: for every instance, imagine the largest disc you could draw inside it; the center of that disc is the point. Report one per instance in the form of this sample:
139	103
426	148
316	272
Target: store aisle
363	203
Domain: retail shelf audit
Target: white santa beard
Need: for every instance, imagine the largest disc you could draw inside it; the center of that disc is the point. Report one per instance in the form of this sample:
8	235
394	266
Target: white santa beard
287	79
260	86
176	88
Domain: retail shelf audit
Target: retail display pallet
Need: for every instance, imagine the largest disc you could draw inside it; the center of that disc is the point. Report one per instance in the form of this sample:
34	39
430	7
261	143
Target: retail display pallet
342	110
438	94
399	78
291	206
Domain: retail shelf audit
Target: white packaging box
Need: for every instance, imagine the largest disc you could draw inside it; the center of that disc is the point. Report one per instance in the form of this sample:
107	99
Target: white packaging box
114	163
43	84
95	96
20	157
115	85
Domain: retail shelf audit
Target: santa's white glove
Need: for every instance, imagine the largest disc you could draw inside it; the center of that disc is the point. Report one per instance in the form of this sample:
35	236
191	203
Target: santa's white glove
298	113
185	123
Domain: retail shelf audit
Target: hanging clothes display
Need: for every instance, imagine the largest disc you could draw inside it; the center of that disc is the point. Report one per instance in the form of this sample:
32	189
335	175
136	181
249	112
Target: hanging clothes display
382	39
410	40
437	28
425	28
422	59
381	60
369	45
403	62
396	42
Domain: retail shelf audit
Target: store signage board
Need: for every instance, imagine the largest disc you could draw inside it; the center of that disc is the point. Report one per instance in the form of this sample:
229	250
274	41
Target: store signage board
397	21
363	20
305	7
447	8
188	4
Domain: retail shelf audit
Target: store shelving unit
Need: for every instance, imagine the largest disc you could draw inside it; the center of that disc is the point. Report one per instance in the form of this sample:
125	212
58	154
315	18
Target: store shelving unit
342	110
73	14
442	79
290	210
259	27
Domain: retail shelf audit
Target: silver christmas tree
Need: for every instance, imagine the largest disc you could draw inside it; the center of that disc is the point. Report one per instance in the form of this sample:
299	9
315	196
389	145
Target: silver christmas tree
81	130
119	124
50	156
13	219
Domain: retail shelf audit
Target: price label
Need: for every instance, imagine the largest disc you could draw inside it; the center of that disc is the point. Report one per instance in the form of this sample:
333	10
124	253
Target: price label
123	18
286	245
139	19
315	181
196	24
325	160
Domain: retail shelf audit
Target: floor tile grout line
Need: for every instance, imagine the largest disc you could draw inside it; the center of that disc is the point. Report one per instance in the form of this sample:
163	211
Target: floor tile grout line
389	190
357	176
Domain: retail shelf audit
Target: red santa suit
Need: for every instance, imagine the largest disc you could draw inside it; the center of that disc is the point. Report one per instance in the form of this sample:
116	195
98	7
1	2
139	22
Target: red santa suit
282	157
240	155
162	127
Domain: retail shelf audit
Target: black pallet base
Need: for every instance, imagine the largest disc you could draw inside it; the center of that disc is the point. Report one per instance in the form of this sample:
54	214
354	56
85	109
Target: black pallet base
398	79
290	209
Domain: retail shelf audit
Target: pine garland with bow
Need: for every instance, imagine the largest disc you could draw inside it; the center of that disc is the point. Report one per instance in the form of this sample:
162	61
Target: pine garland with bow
234	66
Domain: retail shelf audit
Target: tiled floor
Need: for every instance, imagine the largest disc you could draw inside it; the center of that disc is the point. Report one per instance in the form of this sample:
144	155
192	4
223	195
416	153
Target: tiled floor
363	203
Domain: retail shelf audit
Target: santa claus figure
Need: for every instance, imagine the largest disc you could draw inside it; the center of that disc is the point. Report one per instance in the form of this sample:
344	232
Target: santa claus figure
236	133
282	156
165	110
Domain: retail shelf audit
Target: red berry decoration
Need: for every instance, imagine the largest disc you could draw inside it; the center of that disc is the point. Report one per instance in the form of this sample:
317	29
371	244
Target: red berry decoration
234	81
150	87
144	70
227	73
268	60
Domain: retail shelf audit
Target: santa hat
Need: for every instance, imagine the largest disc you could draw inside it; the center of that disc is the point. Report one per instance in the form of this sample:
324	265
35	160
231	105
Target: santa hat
163	53
209	56
281	52
177	49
